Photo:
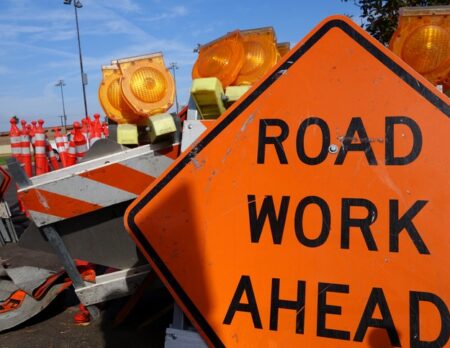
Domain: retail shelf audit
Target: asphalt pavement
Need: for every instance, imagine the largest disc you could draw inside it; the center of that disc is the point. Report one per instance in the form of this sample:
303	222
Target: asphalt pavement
55	328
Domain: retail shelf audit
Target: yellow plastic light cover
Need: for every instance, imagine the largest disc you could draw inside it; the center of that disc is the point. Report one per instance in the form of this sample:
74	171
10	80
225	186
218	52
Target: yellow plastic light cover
222	58
422	39
127	134
261	54
161	127
207	93
110	97
147	85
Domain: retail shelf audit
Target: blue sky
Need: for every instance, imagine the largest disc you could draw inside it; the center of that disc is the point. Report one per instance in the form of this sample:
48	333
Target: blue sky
38	43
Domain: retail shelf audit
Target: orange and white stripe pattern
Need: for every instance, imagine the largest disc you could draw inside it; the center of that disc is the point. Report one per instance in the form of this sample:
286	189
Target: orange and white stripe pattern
95	184
40	153
51	155
15	138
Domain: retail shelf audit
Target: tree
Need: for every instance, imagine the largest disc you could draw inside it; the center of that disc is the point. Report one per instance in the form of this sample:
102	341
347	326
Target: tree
380	16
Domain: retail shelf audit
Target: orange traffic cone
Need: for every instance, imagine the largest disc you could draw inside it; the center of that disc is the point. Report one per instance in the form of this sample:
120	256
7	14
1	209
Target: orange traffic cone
25	149
61	145
79	140
105	130
96	130
85	128
15	139
51	155
40	157
33	131
71	157
91	126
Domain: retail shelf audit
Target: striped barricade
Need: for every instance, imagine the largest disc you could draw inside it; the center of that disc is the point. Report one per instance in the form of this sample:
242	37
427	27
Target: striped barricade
95	184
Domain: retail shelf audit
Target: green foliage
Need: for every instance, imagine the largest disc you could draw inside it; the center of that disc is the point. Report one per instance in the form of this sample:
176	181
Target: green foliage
380	16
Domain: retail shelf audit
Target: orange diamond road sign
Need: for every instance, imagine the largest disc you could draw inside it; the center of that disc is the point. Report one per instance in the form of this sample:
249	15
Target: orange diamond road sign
316	212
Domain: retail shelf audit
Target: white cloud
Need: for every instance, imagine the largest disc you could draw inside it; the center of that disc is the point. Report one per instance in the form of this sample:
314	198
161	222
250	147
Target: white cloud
122	5
11	31
33	49
174	12
179	11
30	13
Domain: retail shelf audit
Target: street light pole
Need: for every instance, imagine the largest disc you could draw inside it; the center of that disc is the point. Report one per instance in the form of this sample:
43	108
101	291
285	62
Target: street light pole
61	84
62	122
76	5
174	66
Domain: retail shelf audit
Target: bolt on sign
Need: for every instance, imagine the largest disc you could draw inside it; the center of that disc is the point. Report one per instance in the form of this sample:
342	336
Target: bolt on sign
316	212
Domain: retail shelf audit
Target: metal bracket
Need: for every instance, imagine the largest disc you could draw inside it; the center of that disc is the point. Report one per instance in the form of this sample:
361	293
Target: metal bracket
192	129
192	113
112	285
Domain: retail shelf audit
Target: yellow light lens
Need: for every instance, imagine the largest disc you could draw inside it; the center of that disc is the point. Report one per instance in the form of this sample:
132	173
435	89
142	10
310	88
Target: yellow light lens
115	96
222	59
261	55
426	48
110	97
148	85
422	40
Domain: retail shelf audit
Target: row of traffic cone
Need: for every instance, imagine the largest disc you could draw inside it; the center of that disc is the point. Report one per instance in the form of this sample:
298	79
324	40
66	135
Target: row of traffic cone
71	147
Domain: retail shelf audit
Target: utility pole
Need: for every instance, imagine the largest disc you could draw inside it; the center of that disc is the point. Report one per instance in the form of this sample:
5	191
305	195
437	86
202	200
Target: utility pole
76	5
62	124
174	66
64	116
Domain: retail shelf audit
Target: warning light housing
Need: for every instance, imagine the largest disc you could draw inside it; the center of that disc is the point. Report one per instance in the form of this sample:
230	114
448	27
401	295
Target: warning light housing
147	86
111	99
261	54
283	48
422	39
222	58
240	57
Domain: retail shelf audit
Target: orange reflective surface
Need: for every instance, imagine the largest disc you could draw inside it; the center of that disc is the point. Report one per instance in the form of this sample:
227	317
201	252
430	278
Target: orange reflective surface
111	99
147	86
316	208
222	59
261	55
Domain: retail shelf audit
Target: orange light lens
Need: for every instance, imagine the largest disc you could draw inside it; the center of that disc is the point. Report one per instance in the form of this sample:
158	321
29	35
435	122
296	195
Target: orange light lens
426	48
114	94
148	85
422	40
111	99
222	59
261	55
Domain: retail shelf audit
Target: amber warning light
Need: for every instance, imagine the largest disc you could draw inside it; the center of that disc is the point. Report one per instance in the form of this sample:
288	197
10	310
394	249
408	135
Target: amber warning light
136	88
240	57
422	40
